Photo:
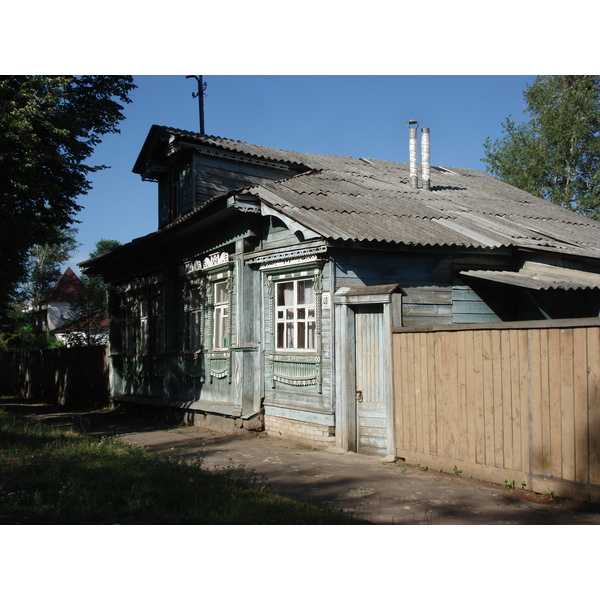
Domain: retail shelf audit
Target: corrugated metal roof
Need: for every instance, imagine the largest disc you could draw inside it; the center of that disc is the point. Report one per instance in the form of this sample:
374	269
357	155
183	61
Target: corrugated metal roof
541	277
355	199
351	200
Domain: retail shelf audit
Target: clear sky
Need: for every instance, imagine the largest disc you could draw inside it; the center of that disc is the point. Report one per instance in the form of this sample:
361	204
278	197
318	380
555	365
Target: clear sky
360	116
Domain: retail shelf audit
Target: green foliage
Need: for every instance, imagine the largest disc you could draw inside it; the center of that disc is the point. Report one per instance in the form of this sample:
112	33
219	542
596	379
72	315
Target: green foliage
51	476
95	283
49	127
44	266
556	153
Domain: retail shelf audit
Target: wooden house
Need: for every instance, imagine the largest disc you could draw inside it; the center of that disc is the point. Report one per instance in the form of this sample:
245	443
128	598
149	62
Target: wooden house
269	291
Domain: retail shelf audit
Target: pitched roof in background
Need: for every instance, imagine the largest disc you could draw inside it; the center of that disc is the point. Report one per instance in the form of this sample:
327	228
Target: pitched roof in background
67	288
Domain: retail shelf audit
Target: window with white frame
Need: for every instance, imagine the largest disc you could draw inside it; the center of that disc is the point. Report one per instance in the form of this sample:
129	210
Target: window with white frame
295	315
221	316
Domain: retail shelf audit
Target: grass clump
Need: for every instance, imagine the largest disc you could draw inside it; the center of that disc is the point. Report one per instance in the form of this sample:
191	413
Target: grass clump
51	476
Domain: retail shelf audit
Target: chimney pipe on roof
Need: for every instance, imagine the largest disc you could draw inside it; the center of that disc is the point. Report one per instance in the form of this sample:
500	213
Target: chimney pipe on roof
425	175
412	128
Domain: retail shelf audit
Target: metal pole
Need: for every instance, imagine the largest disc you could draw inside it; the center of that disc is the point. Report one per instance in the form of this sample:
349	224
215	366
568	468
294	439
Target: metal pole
200	96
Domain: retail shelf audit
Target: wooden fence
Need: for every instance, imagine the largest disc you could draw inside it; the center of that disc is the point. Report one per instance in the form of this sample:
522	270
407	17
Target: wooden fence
511	403
66	376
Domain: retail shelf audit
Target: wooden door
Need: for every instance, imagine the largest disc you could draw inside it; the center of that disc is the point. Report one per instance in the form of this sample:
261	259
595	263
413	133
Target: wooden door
370	398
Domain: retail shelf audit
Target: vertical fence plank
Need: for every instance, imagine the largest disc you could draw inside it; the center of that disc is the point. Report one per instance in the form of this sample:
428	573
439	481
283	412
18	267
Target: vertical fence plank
398	388
593	345
554	389
580	408
461	430
567	411
545	402
507	428
433	393
515	399
488	396
534	349
424	364
525	425
477	403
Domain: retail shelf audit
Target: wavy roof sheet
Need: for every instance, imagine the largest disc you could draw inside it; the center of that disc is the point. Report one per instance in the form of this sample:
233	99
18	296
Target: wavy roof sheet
369	200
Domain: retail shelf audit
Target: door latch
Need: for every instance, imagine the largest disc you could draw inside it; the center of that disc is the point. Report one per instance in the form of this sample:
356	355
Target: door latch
359	397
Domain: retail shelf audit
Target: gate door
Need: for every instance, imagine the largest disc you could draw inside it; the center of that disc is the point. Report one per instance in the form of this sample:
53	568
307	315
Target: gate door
370	380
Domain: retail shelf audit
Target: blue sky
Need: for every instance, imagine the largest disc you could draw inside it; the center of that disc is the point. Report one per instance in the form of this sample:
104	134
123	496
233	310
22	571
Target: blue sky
362	116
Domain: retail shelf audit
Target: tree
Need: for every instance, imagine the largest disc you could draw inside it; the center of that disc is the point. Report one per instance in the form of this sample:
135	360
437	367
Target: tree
42	269
44	266
95	283
556	153
49	127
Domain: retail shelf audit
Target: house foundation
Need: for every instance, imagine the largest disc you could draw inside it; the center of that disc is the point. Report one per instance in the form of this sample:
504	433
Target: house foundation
311	434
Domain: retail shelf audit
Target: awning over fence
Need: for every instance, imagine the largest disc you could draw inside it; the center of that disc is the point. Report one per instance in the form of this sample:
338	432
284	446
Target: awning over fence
536	276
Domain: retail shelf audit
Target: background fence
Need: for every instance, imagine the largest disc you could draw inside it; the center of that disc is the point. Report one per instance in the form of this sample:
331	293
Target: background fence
513	403
66	376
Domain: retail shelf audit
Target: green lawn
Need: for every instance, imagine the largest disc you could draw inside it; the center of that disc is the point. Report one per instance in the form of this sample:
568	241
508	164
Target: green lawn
52	476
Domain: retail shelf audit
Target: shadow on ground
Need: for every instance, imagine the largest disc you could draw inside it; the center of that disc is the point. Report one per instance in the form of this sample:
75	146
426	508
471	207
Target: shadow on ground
366	487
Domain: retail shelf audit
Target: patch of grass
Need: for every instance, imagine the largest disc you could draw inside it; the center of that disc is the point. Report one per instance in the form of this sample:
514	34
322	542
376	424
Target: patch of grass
51	476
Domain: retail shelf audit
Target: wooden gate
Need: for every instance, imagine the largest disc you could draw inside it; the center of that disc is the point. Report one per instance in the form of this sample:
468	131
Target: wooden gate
364	391
370	395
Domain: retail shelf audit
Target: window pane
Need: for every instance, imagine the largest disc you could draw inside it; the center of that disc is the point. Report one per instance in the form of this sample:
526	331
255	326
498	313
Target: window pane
285	293
306	293
310	342
301	335
220	292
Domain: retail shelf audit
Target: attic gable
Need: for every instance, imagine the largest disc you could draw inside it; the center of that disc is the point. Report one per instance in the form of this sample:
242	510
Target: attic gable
192	168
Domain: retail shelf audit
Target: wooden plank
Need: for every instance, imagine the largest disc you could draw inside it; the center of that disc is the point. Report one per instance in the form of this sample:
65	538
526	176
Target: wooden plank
405	391
477	399
460	422
425	310
472	308
398	383
580	405
451	415
488	396
554	389
497	399
535	394
432	392
439	394
545	403
593	346
411	395
515	379
525	402
507	427
567	407
470	399
421	342
415	355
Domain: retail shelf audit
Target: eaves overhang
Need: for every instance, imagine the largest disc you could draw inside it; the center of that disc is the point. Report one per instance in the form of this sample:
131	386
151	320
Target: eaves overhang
540	277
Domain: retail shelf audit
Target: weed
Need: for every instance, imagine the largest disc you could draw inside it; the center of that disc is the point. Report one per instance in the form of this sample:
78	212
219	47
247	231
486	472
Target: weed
50	476
509	483
550	493
457	471
523	484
